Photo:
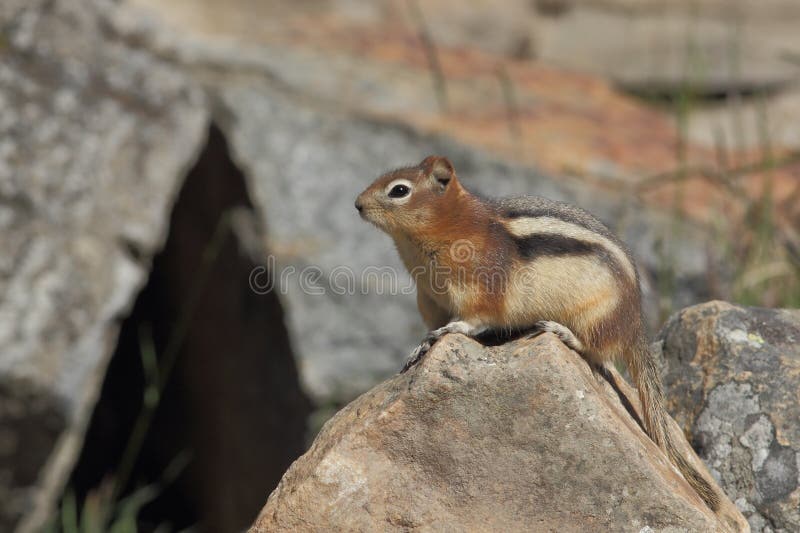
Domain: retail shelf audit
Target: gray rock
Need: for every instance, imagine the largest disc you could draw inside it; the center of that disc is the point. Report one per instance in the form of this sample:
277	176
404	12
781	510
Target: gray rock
733	376
519	437
306	161
713	47
709	47
307	165
95	137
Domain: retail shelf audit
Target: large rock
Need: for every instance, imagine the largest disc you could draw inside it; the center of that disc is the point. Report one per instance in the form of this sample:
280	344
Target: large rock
95	138
643	44
317	99
733	376
712	46
342	281
719	50
518	437
233	397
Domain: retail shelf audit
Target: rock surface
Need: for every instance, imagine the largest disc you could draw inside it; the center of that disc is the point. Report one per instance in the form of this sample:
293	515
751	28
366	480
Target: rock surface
95	137
306	161
518	437
733	376
233	397
318	98
307	164
98	125
711	45
368	56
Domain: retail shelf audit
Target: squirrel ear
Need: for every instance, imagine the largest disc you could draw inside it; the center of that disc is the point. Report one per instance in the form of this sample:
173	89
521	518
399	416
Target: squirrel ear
438	168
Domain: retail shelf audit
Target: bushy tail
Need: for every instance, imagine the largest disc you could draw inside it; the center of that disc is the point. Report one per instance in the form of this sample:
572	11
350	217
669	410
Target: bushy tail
645	375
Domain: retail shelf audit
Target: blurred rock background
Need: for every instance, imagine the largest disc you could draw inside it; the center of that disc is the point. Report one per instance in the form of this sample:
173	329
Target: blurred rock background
153	154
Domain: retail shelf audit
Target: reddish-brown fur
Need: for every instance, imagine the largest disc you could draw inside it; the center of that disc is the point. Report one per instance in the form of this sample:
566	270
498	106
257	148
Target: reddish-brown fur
439	221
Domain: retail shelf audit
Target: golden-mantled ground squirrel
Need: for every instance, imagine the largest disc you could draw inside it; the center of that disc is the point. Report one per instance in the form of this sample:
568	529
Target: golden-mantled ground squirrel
521	264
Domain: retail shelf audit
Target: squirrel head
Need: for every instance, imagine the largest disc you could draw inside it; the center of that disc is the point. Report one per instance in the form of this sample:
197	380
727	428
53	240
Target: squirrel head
406	199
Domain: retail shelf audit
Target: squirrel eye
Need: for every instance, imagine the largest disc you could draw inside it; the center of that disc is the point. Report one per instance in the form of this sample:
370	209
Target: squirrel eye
399	191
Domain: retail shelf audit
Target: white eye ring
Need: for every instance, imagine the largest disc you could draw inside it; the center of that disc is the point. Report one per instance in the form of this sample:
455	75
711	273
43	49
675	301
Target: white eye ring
399	184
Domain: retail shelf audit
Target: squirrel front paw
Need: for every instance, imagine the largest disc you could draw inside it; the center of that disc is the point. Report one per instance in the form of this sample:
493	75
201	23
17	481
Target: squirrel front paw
457	326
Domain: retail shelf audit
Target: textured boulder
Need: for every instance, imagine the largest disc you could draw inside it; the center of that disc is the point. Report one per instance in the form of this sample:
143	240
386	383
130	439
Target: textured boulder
306	166
714	48
518	437
366	106
733	376
654	44
95	138
550	113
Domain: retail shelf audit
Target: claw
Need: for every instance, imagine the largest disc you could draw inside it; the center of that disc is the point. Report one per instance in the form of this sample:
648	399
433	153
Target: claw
417	354
432	337
561	331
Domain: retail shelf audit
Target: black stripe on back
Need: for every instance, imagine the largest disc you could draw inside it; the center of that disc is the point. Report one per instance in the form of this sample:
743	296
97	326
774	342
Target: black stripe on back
552	244
530	213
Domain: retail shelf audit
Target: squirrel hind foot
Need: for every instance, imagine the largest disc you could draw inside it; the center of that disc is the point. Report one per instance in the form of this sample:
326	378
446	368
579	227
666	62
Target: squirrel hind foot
559	330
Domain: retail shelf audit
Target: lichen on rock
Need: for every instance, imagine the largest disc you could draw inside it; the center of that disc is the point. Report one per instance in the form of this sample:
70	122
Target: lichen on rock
733	376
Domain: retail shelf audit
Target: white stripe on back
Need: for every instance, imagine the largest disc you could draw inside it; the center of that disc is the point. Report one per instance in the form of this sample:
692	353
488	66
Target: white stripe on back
526	226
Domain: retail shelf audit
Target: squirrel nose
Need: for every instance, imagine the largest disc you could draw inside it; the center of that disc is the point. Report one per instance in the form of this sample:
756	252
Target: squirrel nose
359	205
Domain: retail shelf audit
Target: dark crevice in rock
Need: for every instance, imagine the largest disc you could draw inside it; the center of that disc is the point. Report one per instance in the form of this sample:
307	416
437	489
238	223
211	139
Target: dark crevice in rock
699	443
31	419
133	250
233	404
626	403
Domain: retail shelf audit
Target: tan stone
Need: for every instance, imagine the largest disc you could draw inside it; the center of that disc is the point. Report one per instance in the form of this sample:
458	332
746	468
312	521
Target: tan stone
518	437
